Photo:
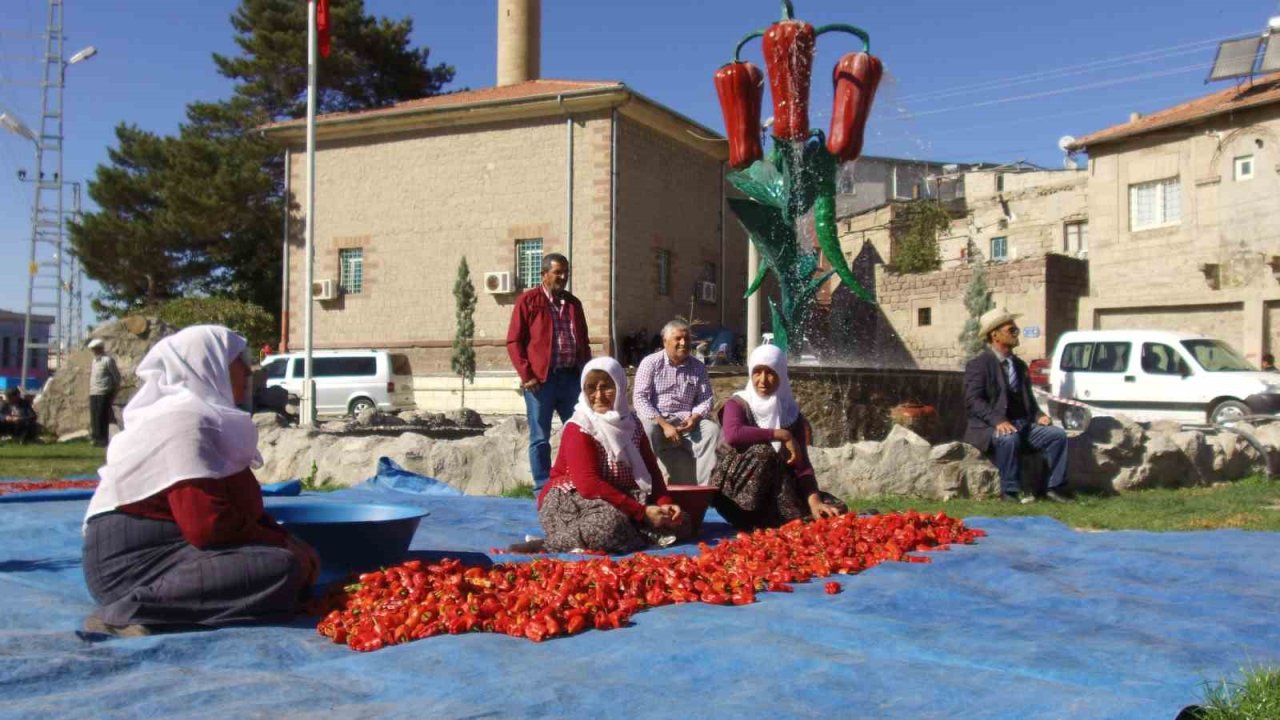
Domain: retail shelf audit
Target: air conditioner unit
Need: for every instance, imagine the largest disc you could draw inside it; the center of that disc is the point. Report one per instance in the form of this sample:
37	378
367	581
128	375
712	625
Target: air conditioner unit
497	283
707	292
324	290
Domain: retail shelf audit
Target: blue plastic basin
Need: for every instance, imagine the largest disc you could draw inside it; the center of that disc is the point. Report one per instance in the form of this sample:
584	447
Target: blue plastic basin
350	537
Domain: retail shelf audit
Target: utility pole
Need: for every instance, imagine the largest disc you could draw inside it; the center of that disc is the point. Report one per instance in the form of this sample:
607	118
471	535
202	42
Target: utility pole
45	278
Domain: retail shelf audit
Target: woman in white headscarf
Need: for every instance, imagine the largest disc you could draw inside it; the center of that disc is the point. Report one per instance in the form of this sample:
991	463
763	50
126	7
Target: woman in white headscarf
176	534
606	491
763	468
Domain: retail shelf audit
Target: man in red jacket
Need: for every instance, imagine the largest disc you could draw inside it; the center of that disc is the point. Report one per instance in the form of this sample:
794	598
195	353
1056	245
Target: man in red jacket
547	342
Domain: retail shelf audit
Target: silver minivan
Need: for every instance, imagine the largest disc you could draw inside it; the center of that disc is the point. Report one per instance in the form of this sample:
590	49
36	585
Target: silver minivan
347	381
1157	375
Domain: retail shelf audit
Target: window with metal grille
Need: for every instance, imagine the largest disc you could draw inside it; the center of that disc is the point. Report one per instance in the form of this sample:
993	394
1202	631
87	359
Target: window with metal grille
1156	203
528	262
351	270
924	316
664	272
1075	238
1000	248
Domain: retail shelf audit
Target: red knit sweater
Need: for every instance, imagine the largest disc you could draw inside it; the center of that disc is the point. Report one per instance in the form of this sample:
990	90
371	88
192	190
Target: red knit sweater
212	512
578	463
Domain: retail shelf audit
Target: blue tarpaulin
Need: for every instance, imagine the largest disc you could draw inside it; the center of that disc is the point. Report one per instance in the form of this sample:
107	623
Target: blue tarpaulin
1035	621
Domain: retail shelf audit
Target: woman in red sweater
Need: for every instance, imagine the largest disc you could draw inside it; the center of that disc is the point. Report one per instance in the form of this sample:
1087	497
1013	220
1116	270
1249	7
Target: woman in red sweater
763	468
176	534
606	491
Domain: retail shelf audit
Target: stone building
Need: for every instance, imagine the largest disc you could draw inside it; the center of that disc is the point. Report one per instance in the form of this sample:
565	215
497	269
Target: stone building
1185	221
12	332
1029	228
631	191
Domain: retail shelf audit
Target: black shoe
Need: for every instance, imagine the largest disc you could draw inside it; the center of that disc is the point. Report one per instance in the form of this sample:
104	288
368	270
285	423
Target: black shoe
1060	495
1023	499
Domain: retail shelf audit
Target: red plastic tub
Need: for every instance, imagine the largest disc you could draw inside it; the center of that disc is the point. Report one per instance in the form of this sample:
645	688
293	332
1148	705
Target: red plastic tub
694	500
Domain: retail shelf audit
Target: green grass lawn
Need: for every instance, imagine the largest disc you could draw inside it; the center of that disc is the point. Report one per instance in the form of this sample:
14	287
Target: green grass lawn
1249	504
54	460
1256	697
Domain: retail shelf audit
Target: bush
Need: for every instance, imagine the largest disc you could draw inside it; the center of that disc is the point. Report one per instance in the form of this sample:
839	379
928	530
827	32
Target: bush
251	321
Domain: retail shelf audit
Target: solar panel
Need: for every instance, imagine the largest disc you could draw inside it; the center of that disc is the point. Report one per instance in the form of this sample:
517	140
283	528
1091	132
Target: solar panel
1235	58
1270	57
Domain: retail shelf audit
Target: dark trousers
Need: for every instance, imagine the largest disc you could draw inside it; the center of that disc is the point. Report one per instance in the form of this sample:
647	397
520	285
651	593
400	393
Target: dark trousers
559	394
142	571
100	416
1049	440
22	430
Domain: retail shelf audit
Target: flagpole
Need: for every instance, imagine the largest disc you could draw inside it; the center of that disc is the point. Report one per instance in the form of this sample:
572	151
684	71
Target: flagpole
308	407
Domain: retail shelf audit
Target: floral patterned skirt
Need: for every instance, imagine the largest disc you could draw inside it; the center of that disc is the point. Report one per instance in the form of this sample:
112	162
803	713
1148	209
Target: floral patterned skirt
573	522
758	488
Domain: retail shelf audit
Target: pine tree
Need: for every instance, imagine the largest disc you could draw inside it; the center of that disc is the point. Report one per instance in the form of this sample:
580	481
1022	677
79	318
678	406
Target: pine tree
464	355
199	213
977	300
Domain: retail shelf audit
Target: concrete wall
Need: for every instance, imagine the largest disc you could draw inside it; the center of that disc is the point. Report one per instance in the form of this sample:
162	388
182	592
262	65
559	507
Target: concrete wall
873	181
1219	254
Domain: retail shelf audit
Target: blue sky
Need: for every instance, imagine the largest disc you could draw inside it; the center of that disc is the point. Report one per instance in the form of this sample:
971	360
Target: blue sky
991	80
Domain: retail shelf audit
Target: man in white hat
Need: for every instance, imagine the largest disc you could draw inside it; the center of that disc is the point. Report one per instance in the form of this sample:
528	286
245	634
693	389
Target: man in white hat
1004	415
104	382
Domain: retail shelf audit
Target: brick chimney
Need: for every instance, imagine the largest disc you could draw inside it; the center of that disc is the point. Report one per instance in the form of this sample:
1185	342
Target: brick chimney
519	41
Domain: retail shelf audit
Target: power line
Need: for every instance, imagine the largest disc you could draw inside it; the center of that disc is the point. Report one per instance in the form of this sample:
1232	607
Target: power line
1060	91
1121	60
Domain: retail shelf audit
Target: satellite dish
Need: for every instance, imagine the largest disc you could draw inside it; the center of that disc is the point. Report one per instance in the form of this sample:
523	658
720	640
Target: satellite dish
1064	142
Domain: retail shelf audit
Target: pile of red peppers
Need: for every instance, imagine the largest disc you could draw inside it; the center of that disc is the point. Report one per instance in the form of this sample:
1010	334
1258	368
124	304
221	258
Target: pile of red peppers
548	598
788	54
21	486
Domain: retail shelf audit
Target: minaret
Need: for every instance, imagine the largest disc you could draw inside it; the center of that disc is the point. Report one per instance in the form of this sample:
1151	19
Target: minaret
519	41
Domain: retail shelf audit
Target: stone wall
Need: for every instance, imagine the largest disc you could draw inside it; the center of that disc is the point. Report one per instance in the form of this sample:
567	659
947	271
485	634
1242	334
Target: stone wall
1045	290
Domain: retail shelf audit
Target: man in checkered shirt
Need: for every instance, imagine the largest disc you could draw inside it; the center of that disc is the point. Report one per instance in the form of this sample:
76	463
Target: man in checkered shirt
673	399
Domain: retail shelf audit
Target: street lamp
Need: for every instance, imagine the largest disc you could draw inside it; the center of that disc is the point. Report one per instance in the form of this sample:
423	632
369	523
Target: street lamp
84	54
17	127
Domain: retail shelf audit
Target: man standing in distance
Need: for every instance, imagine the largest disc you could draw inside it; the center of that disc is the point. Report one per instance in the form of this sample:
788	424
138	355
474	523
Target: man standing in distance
104	382
547	342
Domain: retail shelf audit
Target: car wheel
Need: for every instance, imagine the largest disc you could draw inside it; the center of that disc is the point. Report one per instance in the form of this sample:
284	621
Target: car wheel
1228	411
1074	418
359	405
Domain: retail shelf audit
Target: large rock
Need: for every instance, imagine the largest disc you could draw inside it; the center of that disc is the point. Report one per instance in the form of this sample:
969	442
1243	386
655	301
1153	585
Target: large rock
487	464
63	406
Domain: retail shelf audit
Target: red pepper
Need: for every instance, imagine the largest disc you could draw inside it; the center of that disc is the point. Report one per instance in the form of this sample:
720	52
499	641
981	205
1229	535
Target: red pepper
856	78
788	57
832	588
740	86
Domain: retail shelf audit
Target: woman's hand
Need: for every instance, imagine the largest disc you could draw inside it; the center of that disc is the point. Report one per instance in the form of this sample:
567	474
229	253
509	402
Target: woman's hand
662	517
790	450
820	509
307	556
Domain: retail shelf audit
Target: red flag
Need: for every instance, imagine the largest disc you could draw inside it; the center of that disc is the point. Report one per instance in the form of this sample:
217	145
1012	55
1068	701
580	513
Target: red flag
322	26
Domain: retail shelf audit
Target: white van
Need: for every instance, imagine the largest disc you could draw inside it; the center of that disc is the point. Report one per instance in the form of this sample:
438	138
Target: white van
1158	375
347	381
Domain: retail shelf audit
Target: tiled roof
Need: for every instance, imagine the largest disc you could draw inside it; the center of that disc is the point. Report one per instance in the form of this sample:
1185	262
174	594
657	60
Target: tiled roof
518	91
1263	91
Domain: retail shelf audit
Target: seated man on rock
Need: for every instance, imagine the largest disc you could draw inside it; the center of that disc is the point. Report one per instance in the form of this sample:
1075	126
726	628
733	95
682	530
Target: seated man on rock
1003	414
17	417
673	399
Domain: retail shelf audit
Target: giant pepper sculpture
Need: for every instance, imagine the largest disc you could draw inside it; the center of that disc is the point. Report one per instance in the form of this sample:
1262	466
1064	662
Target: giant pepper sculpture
739	85
788	56
798	174
856	78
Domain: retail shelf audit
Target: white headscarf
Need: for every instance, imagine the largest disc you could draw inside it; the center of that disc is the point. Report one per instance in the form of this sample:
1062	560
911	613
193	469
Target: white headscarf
779	409
182	424
616	429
